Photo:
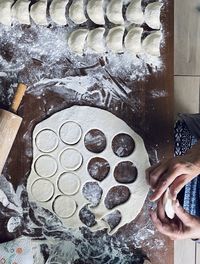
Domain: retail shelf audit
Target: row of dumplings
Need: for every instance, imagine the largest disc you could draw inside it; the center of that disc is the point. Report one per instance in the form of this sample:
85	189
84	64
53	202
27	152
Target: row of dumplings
96	10
115	40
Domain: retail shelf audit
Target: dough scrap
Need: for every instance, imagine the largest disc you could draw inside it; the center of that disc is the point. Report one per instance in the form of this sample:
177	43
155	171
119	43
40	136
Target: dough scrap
77	40
95	40
114	12
114	39
151	44
5	12
134	12
167	203
57	11
95	11
152	15
76	12
38	12
133	41
20	11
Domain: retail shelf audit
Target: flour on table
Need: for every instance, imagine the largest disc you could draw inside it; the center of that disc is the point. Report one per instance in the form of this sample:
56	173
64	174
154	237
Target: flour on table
95	11
5	12
77	40
151	44
61	181
152	15
114	39
95	40
38	12
134	13
114	12
76	12
57	11
20	11
133	40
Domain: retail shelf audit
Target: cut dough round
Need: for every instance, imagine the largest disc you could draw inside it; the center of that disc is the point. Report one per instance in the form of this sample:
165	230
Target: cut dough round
46	166
57	11
95	40
152	15
168	204
5	12
71	159
95	11
46	140
114	39
133	42
76	12
64	206
151	44
77	39
114	12
69	183
38	188
20	11
134	12
70	133
38	12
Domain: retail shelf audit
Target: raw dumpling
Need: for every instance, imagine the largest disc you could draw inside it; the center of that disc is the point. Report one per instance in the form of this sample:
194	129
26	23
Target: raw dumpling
95	40
114	12
151	44
133	42
168	204
134	12
20	11
38	12
76	12
95	11
114	39
57	11
5	12
77	39
152	15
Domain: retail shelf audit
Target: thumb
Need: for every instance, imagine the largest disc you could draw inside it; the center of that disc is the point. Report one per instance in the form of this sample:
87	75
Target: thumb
182	214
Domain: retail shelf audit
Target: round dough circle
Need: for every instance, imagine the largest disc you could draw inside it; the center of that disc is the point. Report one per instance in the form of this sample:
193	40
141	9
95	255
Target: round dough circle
42	190
70	133
64	206
71	159
69	183
46	140
46	166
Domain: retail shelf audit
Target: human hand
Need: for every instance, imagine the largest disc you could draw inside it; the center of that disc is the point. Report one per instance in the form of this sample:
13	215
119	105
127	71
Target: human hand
183	226
174	173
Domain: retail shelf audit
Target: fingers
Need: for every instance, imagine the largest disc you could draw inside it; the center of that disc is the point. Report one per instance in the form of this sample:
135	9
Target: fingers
178	185
156	173
186	218
149	171
161	211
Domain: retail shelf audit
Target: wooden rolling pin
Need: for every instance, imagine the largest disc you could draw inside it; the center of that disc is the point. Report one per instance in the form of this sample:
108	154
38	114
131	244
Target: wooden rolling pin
9	125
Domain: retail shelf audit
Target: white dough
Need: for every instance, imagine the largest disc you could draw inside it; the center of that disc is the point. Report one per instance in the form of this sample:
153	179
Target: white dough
69	183
46	140
114	39
38	12
114	12
38	188
5	12
133	42
134	12
70	133
95	11
95	40
64	206
76	12
168	204
57	11
151	44
71	159
20	11
77	40
152	15
45	166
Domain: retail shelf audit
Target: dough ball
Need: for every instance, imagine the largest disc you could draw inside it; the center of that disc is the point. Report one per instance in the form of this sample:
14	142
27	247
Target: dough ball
77	40
95	11
152	15
114	12
114	39
38	12
133	42
57	11
134	12
5	12
151	44
20	11
95	40
167	204
76	12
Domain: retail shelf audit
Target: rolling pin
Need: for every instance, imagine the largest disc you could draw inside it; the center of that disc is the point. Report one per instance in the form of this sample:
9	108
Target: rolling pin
9	125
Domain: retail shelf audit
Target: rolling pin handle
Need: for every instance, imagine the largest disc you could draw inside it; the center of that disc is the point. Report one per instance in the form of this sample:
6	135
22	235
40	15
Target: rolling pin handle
21	88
